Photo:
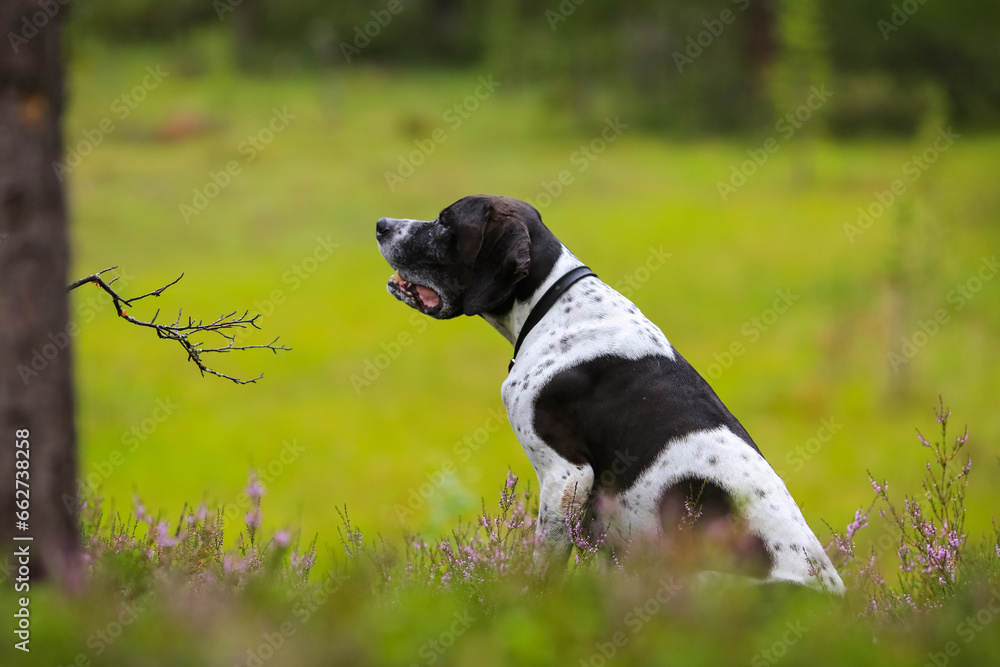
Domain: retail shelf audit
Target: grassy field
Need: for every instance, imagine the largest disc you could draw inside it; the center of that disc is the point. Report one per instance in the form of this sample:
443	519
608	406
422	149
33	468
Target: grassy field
399	417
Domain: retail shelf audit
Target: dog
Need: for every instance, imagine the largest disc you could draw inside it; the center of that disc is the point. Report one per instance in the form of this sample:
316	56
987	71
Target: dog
618	426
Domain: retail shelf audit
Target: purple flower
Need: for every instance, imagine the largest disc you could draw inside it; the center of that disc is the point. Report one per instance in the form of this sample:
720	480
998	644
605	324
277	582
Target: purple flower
163	538
511	481
860	521
282	538
253	518
254	488
878	488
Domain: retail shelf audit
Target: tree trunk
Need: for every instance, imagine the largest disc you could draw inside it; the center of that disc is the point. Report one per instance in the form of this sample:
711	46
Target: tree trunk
36	388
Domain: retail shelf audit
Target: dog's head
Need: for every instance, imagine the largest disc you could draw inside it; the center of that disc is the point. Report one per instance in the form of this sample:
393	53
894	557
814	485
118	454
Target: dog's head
473	259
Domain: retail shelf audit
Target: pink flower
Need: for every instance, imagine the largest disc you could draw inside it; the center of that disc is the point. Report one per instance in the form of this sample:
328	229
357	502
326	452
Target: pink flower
163	538
860	521
253	518
282	538
254	488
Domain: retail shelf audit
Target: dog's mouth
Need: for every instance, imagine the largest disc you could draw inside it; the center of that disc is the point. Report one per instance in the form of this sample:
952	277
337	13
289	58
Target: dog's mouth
417	296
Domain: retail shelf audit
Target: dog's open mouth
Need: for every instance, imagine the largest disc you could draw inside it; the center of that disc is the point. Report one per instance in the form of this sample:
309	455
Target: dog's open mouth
421	297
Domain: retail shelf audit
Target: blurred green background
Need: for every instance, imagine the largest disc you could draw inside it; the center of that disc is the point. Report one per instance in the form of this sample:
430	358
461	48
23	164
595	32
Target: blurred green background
249	149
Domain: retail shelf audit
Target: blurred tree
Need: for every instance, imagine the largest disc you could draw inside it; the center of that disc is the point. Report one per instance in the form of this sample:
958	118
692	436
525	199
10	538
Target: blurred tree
915	251
246	33
597	55
36	389
802	68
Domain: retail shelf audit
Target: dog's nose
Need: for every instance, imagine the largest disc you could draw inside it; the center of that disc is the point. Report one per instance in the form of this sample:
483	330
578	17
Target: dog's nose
383	227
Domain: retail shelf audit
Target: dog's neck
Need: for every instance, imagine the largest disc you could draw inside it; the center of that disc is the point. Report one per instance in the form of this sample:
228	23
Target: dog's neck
510	323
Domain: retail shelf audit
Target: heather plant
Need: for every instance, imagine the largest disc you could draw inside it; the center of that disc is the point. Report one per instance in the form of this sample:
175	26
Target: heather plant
383	603
193	551
931	543
496	546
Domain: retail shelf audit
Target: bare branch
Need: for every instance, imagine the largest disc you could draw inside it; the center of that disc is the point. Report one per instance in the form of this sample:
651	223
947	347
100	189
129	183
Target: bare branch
181	333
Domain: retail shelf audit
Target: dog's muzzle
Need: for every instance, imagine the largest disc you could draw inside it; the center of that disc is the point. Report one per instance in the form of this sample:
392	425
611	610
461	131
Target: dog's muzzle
413	294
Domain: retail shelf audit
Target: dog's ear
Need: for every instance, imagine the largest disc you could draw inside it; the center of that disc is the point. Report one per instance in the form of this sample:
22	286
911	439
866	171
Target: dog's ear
501	261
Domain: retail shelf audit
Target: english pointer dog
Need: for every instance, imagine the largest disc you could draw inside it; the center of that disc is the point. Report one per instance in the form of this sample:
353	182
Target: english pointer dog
617	424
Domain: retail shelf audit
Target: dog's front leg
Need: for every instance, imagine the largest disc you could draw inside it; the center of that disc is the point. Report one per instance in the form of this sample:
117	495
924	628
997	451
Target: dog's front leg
565	489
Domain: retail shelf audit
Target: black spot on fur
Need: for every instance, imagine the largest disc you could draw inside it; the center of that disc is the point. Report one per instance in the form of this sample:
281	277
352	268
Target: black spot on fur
586	413
700	509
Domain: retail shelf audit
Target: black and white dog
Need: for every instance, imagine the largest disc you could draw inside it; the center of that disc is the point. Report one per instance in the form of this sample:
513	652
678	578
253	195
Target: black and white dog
618	426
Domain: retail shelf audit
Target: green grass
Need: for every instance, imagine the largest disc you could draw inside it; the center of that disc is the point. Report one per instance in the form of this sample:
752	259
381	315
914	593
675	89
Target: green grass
324	177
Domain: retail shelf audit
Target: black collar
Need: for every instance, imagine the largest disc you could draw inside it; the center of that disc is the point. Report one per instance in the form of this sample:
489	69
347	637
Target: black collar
548	299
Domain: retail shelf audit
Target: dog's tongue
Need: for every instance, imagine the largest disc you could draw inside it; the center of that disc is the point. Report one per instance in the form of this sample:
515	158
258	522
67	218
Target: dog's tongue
427	295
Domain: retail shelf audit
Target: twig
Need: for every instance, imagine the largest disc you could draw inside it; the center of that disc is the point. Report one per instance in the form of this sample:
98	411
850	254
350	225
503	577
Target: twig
181	332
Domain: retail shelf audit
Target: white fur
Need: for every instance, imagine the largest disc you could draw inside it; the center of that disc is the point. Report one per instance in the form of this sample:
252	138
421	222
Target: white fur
571	333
